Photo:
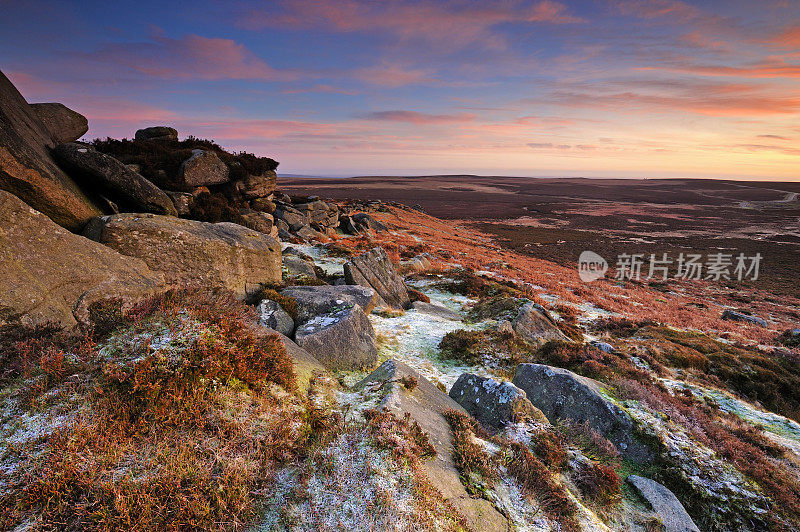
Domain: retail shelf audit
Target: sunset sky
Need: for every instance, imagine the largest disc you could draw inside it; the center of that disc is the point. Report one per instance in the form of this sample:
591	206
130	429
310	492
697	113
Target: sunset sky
621	88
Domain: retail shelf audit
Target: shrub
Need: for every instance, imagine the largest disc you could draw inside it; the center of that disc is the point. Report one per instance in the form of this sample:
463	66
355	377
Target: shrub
599	482
463	345
416	295
214	208
287	303
468	455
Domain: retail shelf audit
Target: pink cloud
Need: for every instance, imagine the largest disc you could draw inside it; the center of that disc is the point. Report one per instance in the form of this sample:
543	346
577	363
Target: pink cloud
552	12
649	9
190	57
771	69
392	75
413	117
321	88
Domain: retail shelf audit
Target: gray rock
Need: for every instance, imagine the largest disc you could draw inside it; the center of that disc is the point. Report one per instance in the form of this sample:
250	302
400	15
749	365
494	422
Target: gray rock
493	403
157	133
284	235
296	266
374	269
535	325
341	340
293	218
308	234
672	513
50	274
64	124
733	315
192	253
315	300
425	404
27	169
561	394
106	174
183	201
602	346
436	310
204	168
364	221
270	314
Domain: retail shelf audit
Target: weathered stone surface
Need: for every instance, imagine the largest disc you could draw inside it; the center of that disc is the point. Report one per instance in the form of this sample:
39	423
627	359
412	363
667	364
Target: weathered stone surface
374	269
315	300
672	513
365	221
296	266
264	205
561	394
157	133
535	325
221	255
272	315
63	124
258	186
436	310
183	201
343	339
304	364
733	315
417	264
493	403
50	274
425	403
204	167
107	175
293	218
308	234
28	171
257	221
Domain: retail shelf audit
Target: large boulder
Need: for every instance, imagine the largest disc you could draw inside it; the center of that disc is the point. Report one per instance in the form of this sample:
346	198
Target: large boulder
425	404
494	403
296	266
213	255
320	215
535	325
106	175
434	309
204	168
157	133
28	171
315	300
341	340
374	269
257	186
258	221
63	124
50	274
665	504
561	394
294	218
272	315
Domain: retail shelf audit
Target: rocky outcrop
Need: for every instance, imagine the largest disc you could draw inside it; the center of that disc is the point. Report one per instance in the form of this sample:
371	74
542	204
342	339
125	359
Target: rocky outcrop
316	300
192	253
63	124
373	269
425	403
28	171
561	394
259	221
272	315
305	218
733	315
297	266
204	168
108	176
494	403
257	186
668	508
342	340
359	222
320	216
157	133
50	274
535	325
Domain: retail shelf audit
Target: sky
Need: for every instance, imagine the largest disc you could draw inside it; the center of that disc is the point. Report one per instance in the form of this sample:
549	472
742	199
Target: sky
604	88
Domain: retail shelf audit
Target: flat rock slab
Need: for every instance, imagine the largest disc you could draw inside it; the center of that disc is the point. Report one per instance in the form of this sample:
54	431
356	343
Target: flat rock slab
374	269
732	315
425	404
64	124
672	513
562	394
342	340
192	253
304	363
494	403
204	167
439	311
316	300
50	274
109	176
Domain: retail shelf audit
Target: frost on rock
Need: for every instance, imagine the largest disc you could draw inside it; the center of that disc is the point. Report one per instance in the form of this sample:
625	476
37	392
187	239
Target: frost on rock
329	264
